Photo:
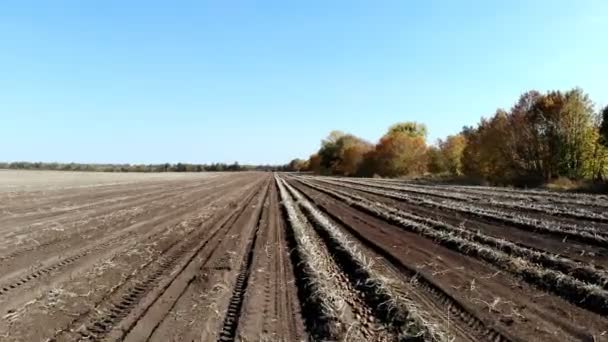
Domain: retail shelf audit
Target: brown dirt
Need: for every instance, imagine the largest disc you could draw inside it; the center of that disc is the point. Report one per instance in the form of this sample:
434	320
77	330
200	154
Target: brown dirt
493	297
212	257
130	261
575	250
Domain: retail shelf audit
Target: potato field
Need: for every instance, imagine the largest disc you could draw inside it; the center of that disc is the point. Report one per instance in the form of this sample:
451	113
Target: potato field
261	256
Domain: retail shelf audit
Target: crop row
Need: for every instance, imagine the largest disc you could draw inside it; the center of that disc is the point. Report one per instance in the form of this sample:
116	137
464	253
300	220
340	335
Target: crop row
396	309
582	271
586	234
517	194
590	296
490	199
321	296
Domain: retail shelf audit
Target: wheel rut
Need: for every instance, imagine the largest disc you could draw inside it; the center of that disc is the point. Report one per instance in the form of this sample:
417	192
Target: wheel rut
233	313
153	280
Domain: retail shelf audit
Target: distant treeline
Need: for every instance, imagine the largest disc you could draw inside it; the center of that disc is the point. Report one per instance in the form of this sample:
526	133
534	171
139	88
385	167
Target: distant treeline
543	137
167	167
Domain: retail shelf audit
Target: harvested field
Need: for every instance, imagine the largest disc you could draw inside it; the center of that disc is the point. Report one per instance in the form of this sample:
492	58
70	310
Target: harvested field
283	257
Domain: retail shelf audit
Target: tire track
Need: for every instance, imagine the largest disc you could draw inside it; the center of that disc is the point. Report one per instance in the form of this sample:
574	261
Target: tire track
195	280
270	309
233	313
58	266
135	197
152	282
180	194
137	273
188	283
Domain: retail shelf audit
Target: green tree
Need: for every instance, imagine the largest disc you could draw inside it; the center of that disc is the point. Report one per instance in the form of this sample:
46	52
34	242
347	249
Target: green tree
413	129
234	167
297	165
329	151
603	129
564	124
180	167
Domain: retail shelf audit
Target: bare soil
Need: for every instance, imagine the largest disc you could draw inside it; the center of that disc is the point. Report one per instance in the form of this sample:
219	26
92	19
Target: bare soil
213	257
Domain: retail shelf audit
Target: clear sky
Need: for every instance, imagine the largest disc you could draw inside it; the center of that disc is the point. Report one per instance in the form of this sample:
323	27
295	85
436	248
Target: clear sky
265	81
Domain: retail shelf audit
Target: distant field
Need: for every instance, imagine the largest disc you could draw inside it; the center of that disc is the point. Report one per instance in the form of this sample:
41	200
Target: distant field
252	256
29	180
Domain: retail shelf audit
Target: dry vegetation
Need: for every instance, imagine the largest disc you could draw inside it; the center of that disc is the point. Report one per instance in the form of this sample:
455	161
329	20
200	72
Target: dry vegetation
285	257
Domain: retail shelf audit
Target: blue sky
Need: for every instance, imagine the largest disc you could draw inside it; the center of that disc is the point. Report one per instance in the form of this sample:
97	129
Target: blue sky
265	81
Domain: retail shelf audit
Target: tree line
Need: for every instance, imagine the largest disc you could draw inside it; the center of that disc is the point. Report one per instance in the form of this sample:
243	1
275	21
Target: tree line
166	167
544	136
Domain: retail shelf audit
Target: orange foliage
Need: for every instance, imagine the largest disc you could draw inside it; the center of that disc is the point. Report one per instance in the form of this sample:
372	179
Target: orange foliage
400	154
351	157
450	151
314	163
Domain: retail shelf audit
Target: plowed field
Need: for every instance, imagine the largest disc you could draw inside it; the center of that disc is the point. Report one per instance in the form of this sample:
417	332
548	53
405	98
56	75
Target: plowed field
282	257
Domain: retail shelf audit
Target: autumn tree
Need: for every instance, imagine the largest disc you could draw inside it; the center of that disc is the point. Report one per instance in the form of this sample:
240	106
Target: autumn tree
352	157
400	153
435	161
485	154
522	146
314	163
506	148
342	154
450	153
543	136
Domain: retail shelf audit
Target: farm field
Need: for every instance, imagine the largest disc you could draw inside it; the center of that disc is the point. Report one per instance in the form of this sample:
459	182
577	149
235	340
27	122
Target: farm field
253	256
